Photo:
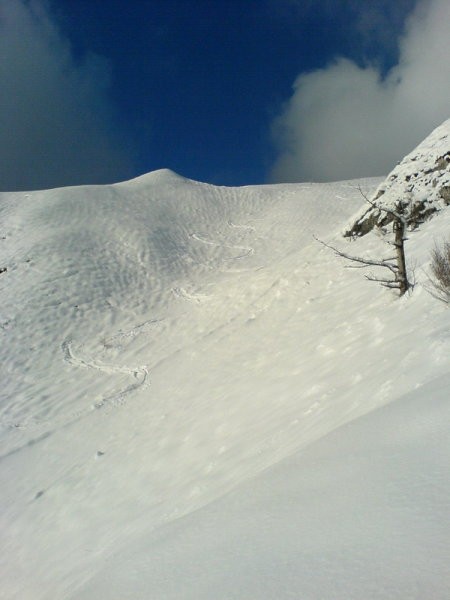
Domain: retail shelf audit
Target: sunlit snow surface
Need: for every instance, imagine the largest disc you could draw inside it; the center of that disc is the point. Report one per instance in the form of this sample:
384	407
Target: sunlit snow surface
199	401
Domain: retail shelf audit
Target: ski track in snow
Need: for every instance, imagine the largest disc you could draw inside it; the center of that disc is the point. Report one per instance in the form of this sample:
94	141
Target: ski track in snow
140	374
247	250
181	292
244	227
144	327
116	398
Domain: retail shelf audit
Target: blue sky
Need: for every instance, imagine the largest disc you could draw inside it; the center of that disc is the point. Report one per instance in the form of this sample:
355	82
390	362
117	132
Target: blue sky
230	92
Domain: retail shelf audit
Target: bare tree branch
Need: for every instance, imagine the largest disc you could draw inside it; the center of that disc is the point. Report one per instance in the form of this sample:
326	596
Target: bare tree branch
388	282
399	215
396	214
365	262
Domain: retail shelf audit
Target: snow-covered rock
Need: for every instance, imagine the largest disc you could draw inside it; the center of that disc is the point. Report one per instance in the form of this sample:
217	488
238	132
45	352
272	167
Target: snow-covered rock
420	182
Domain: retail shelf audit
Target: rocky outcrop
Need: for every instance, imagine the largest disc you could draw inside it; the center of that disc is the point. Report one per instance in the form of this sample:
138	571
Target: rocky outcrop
419	186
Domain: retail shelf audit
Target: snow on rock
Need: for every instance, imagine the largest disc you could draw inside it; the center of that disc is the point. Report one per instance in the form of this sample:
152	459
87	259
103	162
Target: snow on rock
421	181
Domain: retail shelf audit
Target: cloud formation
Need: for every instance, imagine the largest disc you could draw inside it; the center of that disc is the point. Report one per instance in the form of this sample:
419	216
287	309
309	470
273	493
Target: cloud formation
346	121
56	121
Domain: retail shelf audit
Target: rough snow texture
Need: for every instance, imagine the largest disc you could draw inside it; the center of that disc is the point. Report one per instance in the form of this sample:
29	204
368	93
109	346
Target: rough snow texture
421	182
198	401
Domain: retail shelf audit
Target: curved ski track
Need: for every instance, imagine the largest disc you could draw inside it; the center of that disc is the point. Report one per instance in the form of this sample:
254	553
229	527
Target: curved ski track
139	373
247	250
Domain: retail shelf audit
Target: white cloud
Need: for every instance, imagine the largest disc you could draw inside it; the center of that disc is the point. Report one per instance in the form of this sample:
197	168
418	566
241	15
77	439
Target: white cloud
346	121
55	116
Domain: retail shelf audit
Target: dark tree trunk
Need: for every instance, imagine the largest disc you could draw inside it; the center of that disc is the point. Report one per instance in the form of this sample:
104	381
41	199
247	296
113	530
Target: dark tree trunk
399	243
395	264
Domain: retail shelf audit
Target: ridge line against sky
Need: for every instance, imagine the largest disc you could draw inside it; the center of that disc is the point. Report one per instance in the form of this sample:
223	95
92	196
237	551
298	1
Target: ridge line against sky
224	91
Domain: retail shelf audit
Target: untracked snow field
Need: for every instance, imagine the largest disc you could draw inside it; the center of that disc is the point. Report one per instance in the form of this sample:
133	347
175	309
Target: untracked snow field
198	401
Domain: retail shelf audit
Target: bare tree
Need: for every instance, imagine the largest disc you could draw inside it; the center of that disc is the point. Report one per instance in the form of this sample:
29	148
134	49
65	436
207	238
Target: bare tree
396	264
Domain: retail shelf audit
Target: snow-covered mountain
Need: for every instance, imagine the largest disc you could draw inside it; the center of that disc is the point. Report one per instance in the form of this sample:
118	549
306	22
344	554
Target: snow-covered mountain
198	401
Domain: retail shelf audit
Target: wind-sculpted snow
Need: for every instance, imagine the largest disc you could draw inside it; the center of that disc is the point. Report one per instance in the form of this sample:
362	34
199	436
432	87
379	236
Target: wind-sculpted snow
162	341
85	261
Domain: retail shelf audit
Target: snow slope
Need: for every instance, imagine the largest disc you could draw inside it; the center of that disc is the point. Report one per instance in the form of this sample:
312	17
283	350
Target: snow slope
164	343
362	513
